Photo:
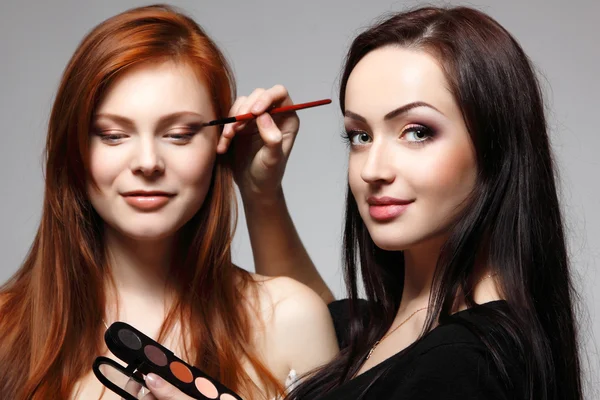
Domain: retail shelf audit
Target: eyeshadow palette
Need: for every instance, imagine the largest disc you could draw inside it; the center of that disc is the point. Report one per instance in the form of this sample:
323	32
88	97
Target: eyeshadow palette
143	356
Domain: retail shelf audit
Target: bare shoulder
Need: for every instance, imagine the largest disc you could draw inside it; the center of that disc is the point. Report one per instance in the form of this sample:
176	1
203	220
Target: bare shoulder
288	298
297	322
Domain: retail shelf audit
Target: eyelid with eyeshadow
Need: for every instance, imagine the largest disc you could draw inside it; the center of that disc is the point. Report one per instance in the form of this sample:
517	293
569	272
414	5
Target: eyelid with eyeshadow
189	129
415	127
181	133
105	132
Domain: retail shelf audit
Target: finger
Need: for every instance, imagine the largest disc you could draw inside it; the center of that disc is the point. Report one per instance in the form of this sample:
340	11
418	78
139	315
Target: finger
276	96
261	100
268	130
163	390
272	153
246	107
228	133
241	106
233	111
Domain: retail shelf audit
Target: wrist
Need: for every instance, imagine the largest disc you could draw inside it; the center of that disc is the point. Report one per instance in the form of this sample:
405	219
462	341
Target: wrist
253	199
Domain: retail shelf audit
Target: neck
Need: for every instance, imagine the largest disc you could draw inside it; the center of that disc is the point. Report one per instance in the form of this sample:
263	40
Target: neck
419	267
139	268
420	263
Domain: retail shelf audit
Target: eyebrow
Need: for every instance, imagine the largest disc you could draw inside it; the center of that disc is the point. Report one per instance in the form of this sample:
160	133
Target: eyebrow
394	113
165	120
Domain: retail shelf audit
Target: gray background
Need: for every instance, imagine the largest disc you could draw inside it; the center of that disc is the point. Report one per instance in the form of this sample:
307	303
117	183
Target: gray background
301	44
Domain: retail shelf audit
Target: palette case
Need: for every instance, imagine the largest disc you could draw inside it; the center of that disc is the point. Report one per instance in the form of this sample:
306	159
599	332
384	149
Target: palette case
143	356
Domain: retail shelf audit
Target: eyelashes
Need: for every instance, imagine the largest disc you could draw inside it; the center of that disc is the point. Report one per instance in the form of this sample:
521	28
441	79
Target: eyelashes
110	137
183	136
180	135
413	134
350	136
418	133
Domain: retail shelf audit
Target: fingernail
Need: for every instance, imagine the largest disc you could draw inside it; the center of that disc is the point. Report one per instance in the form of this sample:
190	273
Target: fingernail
154	381
265	120
258	107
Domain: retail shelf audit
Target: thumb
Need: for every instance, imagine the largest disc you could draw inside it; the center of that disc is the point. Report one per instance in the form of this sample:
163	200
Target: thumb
163	390
272	137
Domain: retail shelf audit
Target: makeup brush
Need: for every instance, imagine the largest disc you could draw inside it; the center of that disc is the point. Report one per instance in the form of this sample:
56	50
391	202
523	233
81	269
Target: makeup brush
276	110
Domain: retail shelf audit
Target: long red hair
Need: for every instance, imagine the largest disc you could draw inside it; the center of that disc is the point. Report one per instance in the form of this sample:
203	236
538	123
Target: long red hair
52	308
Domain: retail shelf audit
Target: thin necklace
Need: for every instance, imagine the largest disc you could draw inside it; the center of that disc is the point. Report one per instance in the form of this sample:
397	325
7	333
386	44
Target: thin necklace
392	331
409	317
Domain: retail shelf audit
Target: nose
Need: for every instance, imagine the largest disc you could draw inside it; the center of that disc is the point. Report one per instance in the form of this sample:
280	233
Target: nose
378	167
147	161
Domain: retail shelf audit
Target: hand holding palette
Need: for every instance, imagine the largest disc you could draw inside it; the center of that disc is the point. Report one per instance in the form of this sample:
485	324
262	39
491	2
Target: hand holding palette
143	356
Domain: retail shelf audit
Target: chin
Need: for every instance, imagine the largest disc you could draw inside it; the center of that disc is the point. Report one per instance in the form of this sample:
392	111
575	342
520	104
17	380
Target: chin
388	243
150	236
147	235
390	239
402	240
145	232
391	246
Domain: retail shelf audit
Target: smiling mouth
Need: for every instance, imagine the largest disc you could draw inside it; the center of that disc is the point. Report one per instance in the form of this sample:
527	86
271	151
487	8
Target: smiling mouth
388	212
387	208
147	201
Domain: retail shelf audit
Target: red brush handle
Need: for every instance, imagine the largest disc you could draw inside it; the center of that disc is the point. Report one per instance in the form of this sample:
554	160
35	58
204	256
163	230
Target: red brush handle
276	110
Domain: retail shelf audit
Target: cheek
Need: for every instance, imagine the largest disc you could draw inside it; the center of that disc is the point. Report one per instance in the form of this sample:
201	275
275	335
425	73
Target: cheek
194	168
448	174
106	163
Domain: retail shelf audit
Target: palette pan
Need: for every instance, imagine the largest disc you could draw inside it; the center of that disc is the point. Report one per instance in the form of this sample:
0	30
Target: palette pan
144	355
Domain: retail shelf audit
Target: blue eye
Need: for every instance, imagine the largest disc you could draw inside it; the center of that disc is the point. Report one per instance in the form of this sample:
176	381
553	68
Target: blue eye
417	133
358	138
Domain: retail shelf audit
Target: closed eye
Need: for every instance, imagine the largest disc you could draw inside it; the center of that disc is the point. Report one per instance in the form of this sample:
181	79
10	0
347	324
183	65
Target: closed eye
184	135
181	136
111	137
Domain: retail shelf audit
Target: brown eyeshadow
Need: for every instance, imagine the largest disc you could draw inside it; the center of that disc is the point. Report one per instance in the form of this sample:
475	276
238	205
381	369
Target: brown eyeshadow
155	355
181	372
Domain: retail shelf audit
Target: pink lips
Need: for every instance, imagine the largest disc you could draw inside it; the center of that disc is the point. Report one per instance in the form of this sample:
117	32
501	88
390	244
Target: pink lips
386	208
147	200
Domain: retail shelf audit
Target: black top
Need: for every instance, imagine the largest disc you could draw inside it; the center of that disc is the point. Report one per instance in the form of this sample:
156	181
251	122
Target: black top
450	362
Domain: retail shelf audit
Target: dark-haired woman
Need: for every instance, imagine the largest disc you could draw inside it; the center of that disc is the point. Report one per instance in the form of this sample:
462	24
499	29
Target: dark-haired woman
452	220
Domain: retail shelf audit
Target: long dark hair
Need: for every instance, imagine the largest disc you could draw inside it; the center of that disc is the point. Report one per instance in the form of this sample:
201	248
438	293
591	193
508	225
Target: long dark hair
513	218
